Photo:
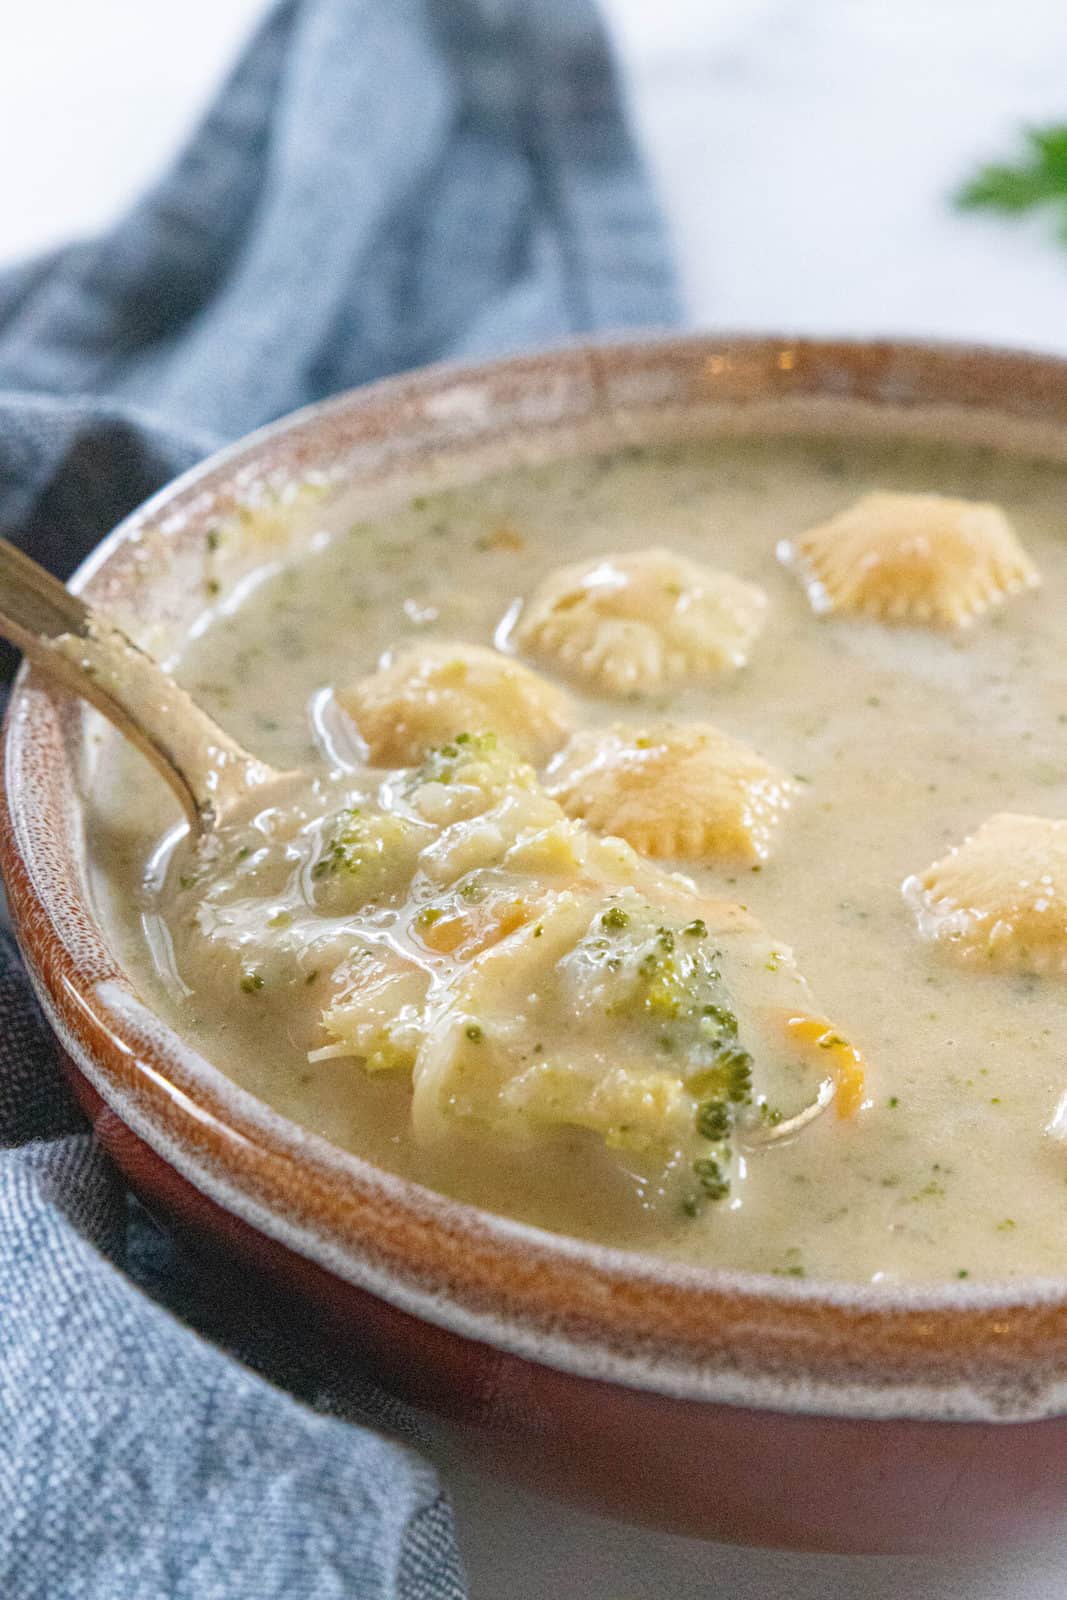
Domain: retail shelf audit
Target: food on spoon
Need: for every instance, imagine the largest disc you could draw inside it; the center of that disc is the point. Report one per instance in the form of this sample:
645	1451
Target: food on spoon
450	922
918	558
672	789
632	623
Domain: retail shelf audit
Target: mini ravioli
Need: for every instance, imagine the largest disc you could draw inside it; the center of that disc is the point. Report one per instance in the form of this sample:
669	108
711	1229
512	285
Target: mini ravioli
435	691
912	558
683	789
628	624
999	900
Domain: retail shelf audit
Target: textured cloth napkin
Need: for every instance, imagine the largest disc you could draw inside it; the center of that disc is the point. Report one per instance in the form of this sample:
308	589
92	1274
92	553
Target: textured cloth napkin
379	184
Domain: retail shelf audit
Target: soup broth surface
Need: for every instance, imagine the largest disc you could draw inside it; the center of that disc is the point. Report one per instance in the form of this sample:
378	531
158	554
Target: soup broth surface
900	740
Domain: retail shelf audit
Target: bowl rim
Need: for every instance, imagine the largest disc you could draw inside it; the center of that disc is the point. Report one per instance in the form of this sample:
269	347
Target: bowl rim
974	1351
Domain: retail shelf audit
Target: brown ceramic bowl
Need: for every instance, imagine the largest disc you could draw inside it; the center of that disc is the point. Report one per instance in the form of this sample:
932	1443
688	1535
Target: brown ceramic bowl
742	1407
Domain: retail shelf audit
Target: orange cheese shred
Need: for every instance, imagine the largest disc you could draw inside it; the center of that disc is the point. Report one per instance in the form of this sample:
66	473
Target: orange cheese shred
467	935
844	1060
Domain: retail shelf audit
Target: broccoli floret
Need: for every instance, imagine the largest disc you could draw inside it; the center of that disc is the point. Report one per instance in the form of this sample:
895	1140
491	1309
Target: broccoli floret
359	842
717	1021
346	849
713	1182
363	853
714	1120
666	982
731	1076
670	975
730	1081
440	764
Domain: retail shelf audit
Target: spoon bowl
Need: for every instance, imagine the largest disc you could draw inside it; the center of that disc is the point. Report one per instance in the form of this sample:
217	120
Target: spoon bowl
84	652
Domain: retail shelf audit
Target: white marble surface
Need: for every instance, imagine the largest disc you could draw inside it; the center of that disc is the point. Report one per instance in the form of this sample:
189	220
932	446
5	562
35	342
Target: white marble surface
519	1547
804	150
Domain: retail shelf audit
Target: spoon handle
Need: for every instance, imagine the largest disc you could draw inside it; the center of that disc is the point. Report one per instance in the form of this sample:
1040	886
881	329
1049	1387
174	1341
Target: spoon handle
89	656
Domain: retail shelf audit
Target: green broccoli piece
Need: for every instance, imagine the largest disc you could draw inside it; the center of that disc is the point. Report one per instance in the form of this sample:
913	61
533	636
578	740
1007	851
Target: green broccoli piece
439	765
713	1182
364	852
714	1120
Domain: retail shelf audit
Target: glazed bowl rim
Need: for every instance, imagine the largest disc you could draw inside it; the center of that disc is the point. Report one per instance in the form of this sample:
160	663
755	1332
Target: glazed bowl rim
962	1349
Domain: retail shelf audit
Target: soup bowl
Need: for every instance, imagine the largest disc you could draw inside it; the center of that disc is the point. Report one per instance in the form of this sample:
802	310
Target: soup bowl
739	1406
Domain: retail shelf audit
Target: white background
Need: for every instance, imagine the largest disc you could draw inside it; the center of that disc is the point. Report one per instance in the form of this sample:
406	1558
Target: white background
804	150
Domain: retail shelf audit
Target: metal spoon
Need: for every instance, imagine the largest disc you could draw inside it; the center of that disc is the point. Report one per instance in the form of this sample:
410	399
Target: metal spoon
84	652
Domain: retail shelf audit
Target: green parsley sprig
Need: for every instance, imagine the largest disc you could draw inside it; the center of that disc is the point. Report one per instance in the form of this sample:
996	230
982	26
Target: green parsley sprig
1038	178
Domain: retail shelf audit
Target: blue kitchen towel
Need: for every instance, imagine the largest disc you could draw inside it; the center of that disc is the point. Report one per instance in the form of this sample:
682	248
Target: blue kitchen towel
379	184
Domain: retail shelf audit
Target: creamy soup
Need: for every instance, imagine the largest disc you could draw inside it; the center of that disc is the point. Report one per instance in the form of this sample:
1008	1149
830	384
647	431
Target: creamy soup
831	1090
